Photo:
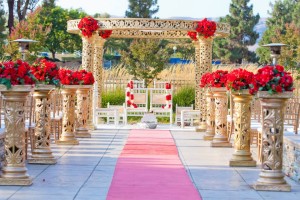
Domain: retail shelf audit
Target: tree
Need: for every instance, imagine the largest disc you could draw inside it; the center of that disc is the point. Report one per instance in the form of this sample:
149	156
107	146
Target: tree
22	6
282	13
2	27
59	39
28	29
242	34
142	8
145	59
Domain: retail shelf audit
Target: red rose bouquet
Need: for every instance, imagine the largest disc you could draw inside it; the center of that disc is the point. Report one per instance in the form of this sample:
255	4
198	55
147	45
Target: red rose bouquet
81	77
240	79
273	79
215	79
15	73
105	33
204	28
88	26
45	72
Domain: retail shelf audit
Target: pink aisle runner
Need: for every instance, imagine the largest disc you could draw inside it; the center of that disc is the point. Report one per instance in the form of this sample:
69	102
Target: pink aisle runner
149	169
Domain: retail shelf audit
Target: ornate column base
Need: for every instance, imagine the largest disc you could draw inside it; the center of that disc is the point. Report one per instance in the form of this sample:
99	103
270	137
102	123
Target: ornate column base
272	181
90	125
201	127
42	156
242	158
82	133
68	141
209	136
15	176
220	142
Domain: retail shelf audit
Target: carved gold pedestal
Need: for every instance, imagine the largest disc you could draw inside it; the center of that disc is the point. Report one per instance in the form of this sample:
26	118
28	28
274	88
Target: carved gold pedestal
242	123
68	137
210	118
41	152
90	118
82	111
220	139
14	171
271	176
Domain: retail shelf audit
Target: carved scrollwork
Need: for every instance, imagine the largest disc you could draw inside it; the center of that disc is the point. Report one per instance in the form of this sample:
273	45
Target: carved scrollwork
68	110
169	28
220	114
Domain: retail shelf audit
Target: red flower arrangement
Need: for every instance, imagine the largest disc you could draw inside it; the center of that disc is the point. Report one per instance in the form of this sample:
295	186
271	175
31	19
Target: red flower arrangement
168	86
81	77
205	28
88	26
240	79
15	73
273	79
105	33
215	79
45	72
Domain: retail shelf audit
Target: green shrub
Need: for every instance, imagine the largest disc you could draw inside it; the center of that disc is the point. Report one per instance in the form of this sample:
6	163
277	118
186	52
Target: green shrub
116	97
184	96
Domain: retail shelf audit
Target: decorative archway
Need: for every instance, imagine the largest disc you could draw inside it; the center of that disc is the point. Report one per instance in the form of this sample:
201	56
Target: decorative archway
92	50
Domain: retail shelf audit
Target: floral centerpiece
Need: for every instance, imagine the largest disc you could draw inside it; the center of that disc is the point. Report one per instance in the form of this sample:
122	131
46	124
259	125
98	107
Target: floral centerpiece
273	79
81	77
15	73
215	79
240	79
88	26
45	72
205	28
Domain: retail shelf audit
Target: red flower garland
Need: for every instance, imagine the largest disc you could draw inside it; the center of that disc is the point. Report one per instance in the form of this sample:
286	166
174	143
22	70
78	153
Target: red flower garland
81	77
88	26
105	33
205	28
240	79
45	72
15	73
168	105
273	79
130	95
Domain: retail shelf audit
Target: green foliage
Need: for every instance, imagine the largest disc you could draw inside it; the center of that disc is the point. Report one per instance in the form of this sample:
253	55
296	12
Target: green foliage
284	17
141	9
114	98
59	39
6	82
242	34
145	59
2	27
185	96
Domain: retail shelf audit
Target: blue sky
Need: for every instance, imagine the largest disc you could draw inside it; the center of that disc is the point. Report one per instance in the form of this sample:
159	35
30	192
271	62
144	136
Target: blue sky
168	8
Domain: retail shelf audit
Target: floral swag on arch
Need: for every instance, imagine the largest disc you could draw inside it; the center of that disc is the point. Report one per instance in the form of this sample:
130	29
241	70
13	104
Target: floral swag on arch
88	25
204	28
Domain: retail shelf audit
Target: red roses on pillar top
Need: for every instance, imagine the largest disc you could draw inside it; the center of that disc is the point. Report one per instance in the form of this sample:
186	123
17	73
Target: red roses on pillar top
273	79
15	73
89	25
241	79
215	79
45	72
204	28
81	77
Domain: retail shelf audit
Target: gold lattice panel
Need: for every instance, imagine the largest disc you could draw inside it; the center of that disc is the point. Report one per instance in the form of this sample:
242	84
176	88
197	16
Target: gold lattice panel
139	28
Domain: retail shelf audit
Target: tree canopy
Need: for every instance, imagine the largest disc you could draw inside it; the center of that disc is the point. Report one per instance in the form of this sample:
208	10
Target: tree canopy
142	8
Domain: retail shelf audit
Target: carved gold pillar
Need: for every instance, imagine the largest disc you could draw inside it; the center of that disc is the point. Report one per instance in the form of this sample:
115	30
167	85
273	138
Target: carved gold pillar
242	127
68	137
87	64
82	111
41	151
210	119
14	171
271	176
203	62
220	139
98	68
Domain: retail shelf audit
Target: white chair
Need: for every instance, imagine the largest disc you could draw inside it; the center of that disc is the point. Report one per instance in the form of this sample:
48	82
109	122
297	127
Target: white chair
178	110
158	101
121	114
141	100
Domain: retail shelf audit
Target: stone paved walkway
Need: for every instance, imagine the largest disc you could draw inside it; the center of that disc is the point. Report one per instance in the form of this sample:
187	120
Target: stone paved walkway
85	171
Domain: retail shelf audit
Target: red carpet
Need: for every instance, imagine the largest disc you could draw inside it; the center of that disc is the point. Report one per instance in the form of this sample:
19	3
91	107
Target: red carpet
149	169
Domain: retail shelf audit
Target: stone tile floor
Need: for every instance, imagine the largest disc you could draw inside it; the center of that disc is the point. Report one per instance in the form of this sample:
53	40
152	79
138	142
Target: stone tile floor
85	171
